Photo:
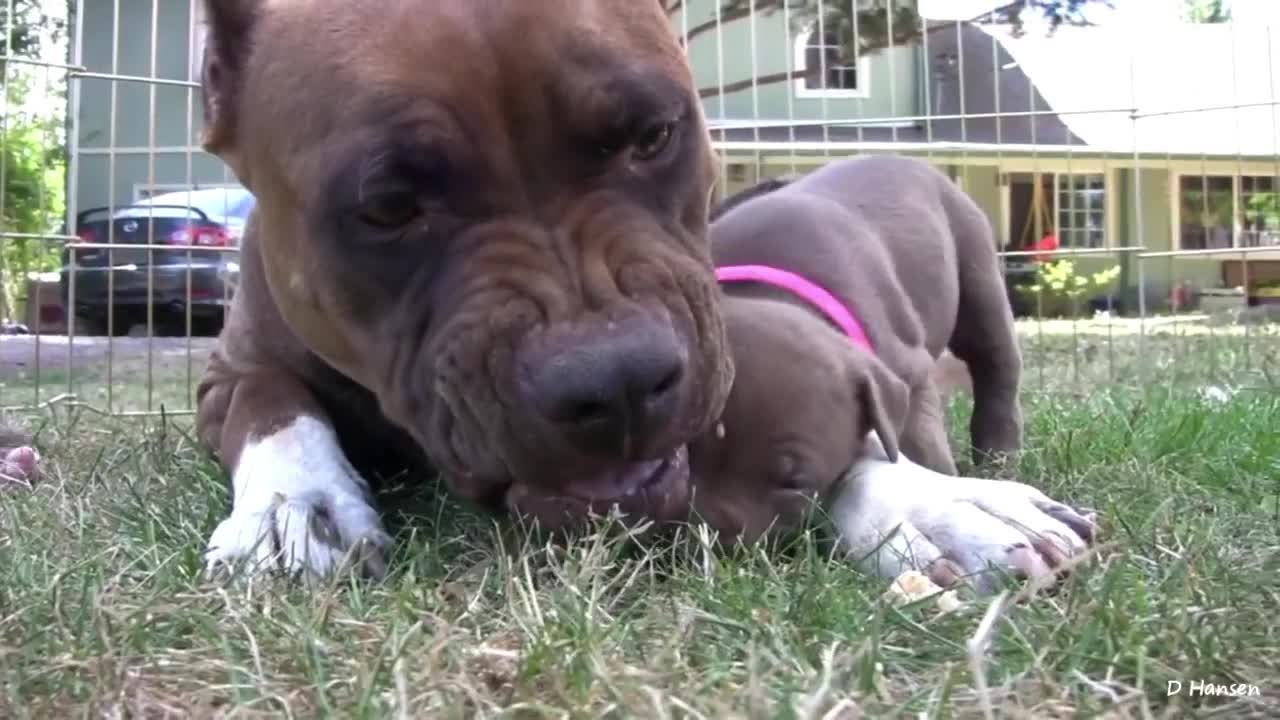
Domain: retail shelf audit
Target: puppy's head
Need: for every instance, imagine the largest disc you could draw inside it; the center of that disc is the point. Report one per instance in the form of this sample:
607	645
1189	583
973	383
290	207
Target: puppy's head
493	215
803	401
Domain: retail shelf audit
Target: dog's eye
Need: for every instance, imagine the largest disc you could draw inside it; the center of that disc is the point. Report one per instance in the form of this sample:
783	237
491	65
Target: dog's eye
653	140
390	210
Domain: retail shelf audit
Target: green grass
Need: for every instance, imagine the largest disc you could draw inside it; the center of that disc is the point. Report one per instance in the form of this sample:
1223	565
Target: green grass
103	610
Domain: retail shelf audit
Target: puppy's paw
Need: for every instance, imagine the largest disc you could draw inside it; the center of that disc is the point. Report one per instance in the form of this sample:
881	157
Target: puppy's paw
897	517
300	508
315	534
1006	526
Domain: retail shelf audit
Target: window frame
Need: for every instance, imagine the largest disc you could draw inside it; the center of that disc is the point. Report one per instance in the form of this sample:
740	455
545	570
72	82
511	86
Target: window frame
1103	229
1237	202
800	64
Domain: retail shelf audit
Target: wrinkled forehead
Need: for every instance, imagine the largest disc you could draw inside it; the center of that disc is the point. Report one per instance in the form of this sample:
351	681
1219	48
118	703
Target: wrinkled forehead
480	68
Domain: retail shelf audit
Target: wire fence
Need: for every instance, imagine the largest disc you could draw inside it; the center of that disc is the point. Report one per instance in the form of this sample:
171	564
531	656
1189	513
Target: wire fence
1130	169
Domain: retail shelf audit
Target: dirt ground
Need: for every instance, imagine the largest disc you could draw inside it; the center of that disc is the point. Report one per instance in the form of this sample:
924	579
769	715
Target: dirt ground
22	356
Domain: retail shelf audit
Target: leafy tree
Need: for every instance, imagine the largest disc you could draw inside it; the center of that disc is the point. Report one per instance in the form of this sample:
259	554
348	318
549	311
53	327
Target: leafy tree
33	21
32	147
874	27
1208	11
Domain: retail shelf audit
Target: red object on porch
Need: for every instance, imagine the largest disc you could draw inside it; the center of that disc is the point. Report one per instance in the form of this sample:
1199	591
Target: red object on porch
1045	247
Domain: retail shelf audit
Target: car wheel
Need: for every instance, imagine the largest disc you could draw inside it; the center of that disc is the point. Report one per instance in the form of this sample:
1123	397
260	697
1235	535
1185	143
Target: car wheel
96	324
91	325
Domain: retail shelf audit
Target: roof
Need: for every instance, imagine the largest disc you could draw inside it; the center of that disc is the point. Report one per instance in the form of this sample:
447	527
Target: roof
1196	89
1156	89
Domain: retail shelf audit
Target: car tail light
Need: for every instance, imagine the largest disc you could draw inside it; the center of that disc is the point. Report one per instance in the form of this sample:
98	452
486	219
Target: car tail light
87	236
201	236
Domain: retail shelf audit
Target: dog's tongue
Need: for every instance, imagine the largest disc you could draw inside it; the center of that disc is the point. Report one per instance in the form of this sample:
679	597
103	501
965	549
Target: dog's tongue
618	483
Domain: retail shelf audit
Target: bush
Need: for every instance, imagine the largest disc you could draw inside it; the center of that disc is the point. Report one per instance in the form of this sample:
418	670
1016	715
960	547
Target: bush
34	168
1058	289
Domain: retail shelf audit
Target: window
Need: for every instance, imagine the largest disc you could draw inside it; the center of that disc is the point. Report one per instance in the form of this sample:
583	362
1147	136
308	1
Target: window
824	53
1226	211
1259	211
142	191
1082	210
835	76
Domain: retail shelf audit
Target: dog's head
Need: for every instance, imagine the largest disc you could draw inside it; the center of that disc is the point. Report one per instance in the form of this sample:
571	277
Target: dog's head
803	401
493	215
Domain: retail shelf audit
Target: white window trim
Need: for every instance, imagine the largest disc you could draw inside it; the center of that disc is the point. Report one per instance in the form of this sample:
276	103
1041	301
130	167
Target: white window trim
160	188
800	64
1106	206
1109	204
196	38
1175	207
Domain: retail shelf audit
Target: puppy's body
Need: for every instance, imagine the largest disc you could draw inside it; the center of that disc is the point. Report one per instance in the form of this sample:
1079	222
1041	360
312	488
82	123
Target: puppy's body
914	260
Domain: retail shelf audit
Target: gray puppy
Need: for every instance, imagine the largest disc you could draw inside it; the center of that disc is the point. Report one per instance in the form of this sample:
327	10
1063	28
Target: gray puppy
913	260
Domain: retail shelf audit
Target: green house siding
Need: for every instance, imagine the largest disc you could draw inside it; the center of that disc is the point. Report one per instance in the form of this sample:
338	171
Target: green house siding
981	182
725	57
145	114
97	179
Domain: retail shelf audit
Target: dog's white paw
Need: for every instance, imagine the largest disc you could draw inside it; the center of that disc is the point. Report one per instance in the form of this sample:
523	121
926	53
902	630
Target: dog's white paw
301	508
896	517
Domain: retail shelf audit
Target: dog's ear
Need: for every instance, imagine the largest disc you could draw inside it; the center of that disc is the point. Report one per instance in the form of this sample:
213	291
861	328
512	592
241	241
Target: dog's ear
882	398
229	26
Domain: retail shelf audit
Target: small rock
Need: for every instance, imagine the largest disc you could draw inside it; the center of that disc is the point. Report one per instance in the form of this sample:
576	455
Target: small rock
910	586
913	585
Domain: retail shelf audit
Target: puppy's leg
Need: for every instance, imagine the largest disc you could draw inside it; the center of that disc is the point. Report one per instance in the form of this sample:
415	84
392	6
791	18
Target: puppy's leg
901	516
298	504
985	339
924	439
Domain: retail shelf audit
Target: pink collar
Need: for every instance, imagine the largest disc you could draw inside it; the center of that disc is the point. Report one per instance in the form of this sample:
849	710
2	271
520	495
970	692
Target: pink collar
815	294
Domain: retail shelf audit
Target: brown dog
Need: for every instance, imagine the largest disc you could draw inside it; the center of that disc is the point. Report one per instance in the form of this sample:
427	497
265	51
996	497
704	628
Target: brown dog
914	260
479	244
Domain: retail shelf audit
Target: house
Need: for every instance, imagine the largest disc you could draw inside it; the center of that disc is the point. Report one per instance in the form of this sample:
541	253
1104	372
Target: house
135	111
1161	137
1143	139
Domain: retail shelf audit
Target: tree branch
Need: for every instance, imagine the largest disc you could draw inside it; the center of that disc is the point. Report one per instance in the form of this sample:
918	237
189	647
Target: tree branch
769	79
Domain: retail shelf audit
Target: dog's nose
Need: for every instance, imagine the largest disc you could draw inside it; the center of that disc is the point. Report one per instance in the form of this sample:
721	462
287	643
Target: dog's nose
610	393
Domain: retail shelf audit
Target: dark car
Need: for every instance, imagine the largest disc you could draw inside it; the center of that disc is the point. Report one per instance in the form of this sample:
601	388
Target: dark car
196	267
1020	272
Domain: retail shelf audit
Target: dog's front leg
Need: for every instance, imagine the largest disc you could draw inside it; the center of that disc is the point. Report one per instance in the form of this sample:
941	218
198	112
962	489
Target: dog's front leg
924	438
298	505
892	517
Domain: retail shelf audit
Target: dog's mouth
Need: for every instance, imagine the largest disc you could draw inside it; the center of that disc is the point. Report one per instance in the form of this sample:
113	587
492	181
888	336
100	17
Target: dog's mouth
656	490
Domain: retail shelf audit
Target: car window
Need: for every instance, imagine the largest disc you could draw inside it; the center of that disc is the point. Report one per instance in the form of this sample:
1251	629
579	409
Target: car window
217	204
228	204
245	205
146	211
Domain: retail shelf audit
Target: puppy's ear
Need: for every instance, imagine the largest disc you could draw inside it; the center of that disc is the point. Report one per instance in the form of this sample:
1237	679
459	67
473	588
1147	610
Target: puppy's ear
882	398
229	26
